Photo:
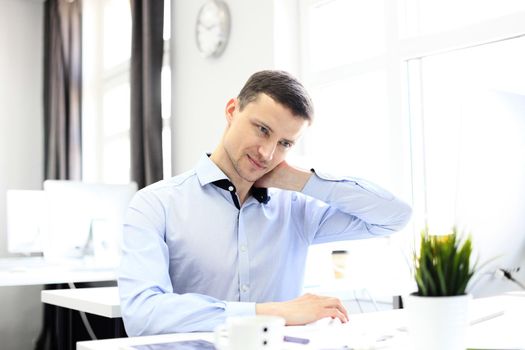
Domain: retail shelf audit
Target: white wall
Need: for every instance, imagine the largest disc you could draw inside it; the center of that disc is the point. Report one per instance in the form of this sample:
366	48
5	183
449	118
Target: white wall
21	147
201	87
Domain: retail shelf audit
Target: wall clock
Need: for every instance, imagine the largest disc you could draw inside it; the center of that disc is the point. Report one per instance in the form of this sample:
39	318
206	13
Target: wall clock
212	29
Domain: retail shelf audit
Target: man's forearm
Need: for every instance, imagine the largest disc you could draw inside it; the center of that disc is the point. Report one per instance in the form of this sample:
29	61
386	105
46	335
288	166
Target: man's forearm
295	179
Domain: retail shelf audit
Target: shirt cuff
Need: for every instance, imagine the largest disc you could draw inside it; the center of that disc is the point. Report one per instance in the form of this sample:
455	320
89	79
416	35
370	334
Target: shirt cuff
240	309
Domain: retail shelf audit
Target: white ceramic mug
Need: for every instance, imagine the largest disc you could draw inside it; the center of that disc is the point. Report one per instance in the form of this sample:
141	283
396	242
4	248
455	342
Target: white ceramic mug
250	332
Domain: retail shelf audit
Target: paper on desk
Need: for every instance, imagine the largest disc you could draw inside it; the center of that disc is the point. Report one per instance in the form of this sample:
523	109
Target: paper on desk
363	331
495	325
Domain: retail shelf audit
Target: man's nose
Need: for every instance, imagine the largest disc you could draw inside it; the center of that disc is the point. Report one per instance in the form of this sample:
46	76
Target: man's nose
266	150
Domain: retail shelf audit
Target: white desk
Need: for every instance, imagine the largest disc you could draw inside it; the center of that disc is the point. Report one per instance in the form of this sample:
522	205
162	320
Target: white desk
36	270
502	332
103	301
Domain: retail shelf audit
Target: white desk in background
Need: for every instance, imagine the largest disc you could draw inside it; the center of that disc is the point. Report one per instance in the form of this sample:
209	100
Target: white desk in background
36	270
103	301
377	330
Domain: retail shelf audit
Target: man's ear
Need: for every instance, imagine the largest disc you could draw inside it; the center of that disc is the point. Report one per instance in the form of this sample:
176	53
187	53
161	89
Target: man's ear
230	109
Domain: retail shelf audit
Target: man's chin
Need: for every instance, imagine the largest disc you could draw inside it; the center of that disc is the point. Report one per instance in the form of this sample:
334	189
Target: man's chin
253	176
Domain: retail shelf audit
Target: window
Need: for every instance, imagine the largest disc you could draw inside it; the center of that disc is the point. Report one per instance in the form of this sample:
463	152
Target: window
351	67
106	104
468	117
399	86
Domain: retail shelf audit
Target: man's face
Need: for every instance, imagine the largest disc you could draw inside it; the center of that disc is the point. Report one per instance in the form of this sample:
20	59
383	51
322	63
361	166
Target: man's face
259	137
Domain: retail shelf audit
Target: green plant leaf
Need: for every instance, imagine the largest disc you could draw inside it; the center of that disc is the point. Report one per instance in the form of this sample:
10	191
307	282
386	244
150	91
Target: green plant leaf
442	267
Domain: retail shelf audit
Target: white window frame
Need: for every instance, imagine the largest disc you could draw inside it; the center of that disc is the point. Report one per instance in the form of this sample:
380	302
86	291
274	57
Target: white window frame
416	48
96	84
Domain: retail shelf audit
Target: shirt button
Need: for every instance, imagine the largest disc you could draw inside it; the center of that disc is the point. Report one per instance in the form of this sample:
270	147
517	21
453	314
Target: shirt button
243	248
244	288
230	188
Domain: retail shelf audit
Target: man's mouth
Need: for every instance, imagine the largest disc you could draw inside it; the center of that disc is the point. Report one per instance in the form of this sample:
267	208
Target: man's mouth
256	163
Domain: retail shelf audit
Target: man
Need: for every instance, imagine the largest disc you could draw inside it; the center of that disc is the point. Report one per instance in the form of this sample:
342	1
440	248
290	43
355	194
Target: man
230	237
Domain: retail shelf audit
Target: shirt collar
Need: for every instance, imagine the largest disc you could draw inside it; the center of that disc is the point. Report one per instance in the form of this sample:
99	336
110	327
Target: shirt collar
208	172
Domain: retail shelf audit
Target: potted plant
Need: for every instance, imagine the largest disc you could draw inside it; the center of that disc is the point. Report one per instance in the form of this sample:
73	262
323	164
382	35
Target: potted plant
437	313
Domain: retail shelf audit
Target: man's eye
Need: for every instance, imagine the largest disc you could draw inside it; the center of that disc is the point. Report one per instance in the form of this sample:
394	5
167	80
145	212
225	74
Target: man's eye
286	144
263	130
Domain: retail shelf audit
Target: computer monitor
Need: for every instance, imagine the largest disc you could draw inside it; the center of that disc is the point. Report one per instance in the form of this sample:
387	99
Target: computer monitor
85	219
25	221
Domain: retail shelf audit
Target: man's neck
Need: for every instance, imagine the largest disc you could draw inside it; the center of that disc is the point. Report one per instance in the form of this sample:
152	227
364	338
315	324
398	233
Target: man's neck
221	159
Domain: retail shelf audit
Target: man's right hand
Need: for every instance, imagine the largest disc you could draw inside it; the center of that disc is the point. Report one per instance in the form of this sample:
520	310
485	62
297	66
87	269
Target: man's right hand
305	309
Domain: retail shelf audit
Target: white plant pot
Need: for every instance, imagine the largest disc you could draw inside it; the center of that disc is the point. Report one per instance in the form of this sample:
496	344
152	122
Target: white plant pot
437	323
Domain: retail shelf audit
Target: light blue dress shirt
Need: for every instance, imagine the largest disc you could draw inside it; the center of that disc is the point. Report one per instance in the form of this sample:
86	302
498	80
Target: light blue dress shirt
191	258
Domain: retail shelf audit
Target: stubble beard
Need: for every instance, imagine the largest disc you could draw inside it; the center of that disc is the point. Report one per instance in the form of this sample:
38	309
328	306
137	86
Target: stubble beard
237	167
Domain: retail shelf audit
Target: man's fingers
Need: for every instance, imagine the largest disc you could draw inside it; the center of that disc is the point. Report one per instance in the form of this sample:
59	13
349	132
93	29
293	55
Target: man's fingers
334	313
310	307
337	304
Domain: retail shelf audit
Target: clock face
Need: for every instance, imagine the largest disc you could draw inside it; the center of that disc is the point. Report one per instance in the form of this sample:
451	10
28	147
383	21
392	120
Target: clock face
212	28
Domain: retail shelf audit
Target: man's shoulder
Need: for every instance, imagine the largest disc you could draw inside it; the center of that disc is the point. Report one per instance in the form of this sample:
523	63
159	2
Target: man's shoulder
177	181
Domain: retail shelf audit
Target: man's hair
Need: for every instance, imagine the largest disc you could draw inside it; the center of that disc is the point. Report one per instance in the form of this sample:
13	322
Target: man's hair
282	87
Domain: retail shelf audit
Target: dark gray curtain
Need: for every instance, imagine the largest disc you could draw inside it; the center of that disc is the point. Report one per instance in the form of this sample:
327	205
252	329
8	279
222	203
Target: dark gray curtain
146	64
62	115
62	89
